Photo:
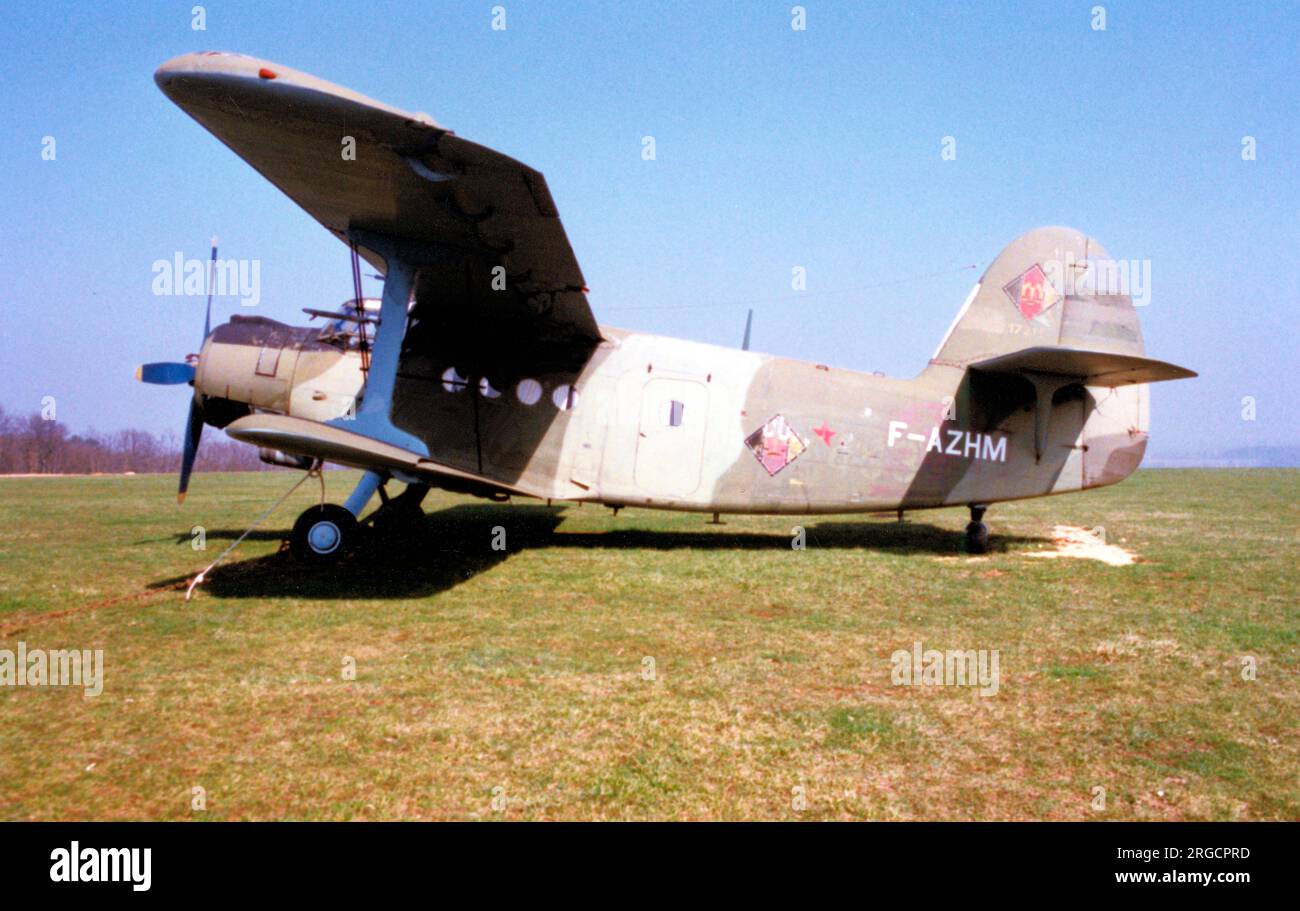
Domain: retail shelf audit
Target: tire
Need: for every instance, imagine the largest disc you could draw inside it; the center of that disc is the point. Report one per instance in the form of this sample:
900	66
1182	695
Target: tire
977	538
323	534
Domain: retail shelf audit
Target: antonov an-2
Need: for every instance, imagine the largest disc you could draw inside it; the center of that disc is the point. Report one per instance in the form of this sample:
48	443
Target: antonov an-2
487	373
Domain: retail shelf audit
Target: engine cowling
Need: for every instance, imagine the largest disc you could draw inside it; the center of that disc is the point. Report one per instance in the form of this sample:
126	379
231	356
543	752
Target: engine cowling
272	366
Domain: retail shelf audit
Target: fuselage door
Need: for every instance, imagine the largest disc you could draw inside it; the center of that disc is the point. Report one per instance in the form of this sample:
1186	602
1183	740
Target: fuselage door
670	442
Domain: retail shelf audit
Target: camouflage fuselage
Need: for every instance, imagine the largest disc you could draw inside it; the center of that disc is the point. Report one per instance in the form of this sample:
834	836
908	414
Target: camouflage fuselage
673	424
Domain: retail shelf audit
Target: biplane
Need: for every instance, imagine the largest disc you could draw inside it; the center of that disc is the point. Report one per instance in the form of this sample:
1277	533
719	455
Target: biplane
483	370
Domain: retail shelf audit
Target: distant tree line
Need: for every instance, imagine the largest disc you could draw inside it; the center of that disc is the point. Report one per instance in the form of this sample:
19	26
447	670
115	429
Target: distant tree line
30	444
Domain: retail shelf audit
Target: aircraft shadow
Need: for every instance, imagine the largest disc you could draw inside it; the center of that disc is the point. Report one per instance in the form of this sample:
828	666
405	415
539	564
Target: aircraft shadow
454	545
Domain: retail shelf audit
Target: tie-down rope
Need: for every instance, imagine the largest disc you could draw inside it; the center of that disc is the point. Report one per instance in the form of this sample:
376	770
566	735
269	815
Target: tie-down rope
311	472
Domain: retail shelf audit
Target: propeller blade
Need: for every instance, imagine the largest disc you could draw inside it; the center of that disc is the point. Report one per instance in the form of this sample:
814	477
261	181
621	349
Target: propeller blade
212	266
165	373
193	431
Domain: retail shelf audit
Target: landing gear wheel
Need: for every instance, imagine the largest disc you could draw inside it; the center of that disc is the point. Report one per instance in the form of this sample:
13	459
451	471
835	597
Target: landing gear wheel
977	533
323	534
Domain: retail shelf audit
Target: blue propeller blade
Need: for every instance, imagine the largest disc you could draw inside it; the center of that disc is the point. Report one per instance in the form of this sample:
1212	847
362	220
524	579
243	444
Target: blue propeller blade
165	373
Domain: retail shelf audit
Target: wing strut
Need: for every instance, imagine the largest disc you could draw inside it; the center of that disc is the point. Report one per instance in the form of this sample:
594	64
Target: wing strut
359	304
373	416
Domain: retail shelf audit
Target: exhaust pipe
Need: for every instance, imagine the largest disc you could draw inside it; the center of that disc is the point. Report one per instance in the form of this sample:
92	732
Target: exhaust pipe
276	457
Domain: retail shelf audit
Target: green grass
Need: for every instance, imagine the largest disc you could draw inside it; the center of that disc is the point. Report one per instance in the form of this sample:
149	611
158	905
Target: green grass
650	665
1074	672
851	725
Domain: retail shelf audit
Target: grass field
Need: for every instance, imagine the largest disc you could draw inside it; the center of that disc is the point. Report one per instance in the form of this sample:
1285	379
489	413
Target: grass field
650	665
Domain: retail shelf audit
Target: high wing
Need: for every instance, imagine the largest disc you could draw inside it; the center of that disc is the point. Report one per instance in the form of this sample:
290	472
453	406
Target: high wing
357	166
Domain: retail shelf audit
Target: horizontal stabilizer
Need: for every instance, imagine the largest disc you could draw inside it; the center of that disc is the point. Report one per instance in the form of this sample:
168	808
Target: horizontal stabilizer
298	436
1092	368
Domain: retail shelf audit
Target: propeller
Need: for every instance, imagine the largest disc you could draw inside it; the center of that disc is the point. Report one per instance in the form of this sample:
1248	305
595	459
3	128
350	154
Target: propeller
193	432
194	422
174	373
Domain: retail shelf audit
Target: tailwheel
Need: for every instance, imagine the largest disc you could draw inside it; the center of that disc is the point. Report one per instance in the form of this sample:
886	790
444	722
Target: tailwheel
977	533
323	534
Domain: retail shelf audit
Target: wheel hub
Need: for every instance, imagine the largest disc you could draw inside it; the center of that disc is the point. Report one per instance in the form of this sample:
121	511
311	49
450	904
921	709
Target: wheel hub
324	537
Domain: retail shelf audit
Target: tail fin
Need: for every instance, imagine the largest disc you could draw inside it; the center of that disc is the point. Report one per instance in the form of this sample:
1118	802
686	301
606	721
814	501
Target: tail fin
1051	287
1051	328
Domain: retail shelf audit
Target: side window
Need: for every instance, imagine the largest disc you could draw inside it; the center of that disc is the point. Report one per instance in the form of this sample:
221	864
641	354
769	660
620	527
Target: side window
675	410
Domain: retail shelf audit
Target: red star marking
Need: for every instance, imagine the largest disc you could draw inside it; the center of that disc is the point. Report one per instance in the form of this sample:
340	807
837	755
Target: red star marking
825	433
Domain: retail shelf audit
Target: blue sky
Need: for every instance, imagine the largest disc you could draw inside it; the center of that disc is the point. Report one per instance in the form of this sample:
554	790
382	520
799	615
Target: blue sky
775	148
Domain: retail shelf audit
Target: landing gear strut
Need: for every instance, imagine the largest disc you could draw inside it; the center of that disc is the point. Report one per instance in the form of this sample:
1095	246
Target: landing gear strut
977	533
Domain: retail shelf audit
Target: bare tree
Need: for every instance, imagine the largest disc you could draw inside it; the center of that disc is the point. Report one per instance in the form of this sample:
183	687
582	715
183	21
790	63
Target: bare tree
31	445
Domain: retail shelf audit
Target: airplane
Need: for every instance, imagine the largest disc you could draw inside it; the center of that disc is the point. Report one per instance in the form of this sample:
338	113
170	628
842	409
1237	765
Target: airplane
487	373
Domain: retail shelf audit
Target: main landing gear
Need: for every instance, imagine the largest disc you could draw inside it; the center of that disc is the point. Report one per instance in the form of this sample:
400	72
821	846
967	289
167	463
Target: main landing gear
327	532
977	533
